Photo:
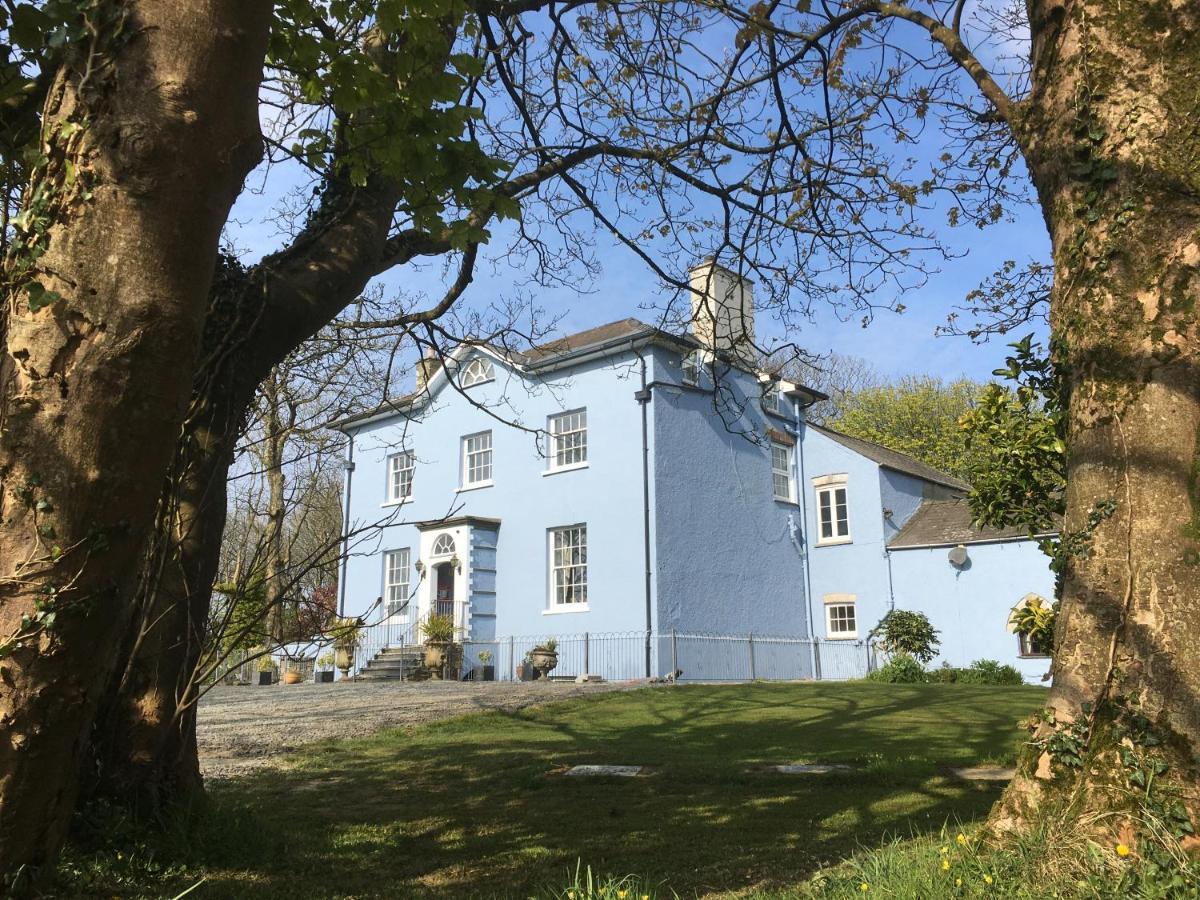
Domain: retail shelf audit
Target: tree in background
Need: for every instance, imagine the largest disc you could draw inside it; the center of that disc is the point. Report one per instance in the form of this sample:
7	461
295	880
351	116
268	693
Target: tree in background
918	415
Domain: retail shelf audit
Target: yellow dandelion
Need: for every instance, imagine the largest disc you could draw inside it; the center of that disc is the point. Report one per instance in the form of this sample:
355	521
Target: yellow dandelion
1122	850
958	882
570	895
945	865
962	838
944	851
864	887
621	895
987	879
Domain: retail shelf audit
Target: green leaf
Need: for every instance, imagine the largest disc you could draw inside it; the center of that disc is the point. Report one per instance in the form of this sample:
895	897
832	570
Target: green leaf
40	297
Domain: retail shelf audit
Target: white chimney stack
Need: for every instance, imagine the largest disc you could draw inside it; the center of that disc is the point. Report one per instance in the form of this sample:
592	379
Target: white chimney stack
722	309
427	365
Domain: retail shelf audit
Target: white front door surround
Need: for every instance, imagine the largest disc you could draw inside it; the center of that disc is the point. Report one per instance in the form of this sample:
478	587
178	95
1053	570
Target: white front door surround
445	556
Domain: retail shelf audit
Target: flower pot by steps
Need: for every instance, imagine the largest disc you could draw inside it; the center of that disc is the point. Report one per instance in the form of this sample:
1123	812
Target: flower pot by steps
292	678
343	658
489	673
325	677
265	677
435	658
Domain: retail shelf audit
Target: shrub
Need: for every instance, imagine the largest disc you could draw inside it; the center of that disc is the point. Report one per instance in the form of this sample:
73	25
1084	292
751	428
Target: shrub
982	671
989	671
902	669
909	633
438	628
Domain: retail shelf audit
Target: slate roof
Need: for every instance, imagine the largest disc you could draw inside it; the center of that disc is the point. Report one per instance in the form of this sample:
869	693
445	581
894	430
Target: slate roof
891	459
613	334
595	337
947	523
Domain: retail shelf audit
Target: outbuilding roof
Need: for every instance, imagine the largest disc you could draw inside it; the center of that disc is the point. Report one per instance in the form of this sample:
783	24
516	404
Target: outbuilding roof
892	459
947	523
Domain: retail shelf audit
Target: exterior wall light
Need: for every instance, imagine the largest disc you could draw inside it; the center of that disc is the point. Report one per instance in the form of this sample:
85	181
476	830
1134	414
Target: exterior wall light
420	567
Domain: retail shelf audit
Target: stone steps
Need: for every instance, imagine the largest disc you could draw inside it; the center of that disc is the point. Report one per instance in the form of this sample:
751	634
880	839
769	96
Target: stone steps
394	664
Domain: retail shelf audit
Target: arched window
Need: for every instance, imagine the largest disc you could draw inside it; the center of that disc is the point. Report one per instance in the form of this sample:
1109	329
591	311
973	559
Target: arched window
443	546
477	371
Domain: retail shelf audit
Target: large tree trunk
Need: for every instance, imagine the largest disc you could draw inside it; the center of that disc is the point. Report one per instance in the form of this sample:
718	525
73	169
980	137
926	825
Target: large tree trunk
164	128
144	747
144	755
1115	153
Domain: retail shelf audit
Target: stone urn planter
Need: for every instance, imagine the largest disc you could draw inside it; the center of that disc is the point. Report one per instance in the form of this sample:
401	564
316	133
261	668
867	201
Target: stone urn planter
544	659
343	658
435	658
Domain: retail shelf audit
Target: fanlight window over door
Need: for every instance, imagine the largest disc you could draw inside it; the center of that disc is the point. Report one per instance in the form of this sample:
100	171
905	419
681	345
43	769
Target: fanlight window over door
478	371
443	546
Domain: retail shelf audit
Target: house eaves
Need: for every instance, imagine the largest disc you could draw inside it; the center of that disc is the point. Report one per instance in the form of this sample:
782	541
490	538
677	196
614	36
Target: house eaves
893	459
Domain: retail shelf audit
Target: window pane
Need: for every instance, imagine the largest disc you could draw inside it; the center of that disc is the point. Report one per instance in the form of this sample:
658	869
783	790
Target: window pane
478	458
396	583
568	435
569	565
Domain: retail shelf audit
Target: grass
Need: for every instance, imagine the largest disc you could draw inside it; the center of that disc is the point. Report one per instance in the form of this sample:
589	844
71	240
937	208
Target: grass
476	807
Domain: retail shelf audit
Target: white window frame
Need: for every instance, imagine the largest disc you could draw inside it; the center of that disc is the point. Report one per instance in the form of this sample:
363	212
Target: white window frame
690	367
470	456
396	467
561	454
787	473
396	581
838	602
557	565
826	488
770	398
1026	650
480	370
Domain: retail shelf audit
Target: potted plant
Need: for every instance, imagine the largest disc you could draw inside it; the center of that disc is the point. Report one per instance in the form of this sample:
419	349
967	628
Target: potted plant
291	676
324	673
485	661
544	657
525	669
266	670
346	633
439	632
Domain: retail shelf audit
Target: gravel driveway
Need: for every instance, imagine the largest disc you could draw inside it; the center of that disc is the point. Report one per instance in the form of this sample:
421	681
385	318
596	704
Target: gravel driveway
246	728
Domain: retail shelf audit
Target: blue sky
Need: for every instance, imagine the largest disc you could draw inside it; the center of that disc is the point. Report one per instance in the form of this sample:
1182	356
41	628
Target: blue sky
895	344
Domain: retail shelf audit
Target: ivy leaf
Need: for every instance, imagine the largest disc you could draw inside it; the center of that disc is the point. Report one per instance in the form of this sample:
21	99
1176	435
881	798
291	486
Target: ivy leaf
40	297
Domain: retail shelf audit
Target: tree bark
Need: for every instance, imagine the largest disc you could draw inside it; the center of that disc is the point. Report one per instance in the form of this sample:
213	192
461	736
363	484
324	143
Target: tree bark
94	385
144	756
144	753
1112	144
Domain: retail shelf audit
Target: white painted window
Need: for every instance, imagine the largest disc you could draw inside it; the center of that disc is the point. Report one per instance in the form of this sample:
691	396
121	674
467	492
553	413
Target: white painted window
781	471
477	459
568	566
1027	646
477	371
691	367
568	439
400	468
395	580
770	397
833	511
841	623
443	546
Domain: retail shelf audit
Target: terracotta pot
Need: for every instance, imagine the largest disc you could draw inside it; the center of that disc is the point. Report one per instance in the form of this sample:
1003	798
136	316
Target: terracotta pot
292	678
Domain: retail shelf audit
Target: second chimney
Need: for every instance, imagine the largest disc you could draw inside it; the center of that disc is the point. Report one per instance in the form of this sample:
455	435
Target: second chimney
722	309
427	367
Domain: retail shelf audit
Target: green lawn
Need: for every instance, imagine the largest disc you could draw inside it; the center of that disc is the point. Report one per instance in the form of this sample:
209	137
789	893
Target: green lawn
476	807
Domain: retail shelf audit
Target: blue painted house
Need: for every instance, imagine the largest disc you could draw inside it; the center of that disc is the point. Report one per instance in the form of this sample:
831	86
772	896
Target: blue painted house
653	485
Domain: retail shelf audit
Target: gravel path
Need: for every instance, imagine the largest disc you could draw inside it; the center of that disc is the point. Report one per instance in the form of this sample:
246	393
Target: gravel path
242	729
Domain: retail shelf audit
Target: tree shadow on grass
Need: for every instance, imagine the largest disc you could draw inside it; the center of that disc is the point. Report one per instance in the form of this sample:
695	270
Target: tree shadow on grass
473	807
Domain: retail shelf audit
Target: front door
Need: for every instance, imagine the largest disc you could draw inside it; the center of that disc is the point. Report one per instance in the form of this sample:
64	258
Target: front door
444	590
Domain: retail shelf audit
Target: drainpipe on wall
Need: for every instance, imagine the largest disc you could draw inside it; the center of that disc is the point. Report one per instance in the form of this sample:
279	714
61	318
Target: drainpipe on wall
642	396
802	490
349	466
